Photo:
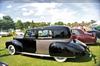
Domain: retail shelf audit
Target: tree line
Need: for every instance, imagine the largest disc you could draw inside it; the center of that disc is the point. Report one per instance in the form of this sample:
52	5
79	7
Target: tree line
7	23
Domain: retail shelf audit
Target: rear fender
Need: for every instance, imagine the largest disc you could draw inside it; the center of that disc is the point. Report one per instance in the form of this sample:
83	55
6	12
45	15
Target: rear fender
59	49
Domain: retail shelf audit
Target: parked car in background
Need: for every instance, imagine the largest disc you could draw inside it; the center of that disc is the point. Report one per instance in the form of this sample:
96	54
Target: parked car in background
19	33
88	38
4	33
96	30
50	41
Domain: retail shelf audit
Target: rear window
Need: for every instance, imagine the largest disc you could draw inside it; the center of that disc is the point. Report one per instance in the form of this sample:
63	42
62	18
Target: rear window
62	33
76	32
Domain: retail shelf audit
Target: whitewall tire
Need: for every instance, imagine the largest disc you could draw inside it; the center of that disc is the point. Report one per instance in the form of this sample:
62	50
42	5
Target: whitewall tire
60	59
11	49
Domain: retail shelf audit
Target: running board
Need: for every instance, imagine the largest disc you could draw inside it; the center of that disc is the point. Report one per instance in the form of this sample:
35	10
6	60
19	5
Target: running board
34	54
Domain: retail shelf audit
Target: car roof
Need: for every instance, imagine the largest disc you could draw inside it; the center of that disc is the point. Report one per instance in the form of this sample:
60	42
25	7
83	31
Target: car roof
76	29
51	27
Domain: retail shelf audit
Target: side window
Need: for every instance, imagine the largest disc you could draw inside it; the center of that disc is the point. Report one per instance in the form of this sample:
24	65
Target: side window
44	33
61	34
76	32
30	33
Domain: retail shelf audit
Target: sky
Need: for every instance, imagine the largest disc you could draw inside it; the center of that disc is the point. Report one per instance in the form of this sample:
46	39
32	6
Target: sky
51	12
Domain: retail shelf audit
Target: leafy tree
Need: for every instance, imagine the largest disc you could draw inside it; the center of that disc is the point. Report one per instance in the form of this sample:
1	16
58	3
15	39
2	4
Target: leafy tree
1	24
69	24
19	24
26	24
32	24
59	23
93	21
40	24
44	24
48	24
75	24
7	23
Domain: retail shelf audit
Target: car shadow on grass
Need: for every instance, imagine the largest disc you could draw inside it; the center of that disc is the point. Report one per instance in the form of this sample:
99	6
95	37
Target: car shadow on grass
38	57
4	55
85	58
1	49
3	52
97	44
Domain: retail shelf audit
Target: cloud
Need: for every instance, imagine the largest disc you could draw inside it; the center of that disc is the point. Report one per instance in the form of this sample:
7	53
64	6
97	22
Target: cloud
52	12
28	13
9	6
39	5
61	15
88	11
54	1
24	9
1	15
60	11
36	8
22	19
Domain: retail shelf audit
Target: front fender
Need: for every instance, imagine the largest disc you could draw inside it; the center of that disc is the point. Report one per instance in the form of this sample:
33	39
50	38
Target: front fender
15	43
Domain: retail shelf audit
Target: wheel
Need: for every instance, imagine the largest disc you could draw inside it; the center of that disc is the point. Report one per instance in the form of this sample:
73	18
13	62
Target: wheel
60	59
11	49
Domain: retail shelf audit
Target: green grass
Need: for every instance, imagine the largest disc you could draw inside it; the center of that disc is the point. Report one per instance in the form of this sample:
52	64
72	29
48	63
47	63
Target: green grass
23	60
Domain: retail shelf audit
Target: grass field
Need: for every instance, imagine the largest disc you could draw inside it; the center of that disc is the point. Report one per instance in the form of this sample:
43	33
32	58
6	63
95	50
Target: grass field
23	60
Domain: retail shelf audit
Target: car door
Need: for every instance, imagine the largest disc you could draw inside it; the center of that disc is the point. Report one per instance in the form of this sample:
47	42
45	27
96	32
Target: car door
90	38
43	41
87	37
29	41
79	34
46	37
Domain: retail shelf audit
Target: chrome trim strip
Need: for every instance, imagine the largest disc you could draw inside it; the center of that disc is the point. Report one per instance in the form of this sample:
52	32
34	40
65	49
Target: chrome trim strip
42	55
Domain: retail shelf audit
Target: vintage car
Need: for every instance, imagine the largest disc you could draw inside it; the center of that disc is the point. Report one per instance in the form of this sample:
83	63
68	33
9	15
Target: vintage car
19	33
4	34
95	30
49	41
88	38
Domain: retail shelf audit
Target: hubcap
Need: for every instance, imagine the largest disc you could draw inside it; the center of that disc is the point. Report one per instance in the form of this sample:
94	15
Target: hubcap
60	59
11	49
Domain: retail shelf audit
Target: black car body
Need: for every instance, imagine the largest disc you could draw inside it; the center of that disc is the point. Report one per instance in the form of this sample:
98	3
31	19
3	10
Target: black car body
50	41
